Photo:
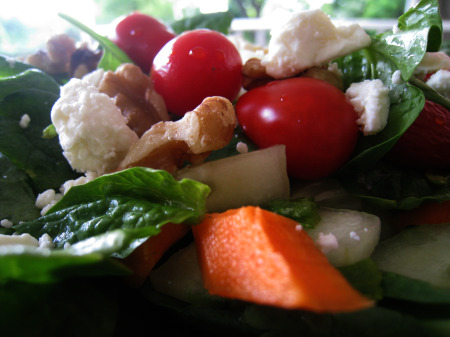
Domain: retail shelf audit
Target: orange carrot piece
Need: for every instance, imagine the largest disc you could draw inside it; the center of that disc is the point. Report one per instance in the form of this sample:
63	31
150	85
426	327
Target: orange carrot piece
426	214
258	256
145	257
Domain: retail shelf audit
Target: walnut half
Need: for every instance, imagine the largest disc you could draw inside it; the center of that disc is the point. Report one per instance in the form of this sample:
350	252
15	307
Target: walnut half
135	97
169	145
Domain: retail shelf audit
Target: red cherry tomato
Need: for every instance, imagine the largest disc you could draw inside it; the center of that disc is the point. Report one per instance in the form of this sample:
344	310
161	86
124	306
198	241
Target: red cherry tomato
312	118
426	143
195	65
141	37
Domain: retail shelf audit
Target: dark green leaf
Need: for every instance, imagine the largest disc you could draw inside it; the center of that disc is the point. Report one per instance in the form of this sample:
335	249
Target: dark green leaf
17	198
365	277
137	201
40	158
303	210
408	289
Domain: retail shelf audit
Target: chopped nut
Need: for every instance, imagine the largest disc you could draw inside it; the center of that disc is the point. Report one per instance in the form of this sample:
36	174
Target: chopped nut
324	75
135	96
83	61
56	59
169	145
254	74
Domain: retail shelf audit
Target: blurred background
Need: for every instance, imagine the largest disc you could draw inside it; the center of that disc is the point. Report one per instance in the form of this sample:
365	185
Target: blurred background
25	25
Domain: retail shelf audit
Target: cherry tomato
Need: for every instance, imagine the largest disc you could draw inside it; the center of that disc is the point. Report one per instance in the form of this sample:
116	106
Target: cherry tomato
426	143
312	118
195	65
141	37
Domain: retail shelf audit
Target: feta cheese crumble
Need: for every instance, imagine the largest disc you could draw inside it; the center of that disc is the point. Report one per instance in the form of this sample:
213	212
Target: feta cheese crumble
24	121
307	39
241	147
370	99
327	242
440	81
93	133
6	223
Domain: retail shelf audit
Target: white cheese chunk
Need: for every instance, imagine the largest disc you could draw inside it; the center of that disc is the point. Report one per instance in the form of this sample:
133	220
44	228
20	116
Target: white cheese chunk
370	99
440	81
308	39
92	131
23	239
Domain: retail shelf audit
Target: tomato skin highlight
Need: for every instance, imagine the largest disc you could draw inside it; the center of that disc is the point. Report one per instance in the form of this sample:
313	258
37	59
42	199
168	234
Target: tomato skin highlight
195	65
141	37
314	120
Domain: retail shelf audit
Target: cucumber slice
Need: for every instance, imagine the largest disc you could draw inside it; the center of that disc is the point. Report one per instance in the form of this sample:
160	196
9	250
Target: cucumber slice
421	252
346	236
251	178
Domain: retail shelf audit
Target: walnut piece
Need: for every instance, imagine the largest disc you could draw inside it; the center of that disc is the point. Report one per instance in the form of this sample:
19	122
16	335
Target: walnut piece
324	75
62	57
169	145
56	59
254	74
135	96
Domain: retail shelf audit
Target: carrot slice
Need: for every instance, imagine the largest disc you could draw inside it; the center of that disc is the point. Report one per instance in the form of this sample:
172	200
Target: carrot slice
255	255
145	257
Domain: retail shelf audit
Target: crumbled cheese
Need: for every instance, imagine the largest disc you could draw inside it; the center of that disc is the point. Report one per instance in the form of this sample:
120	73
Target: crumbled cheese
6	223
354	236
307	39
45	241
370	99
241	147
89	176
440	81
93	133
327	242
397	77
22	239
46	200
24	121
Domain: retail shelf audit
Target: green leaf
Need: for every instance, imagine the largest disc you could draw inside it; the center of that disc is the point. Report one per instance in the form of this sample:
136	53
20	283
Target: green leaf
112	57
40	158
365	277
17	198
420	31
137	201
404	288
33	265
216	21
303	210
10	67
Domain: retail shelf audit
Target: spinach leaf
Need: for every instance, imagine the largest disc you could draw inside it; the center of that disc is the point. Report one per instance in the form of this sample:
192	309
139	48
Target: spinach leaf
33	265
389	187
10	67
419	30
112	57
408	289
32	93
216	21
136	201
17	198
303	210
